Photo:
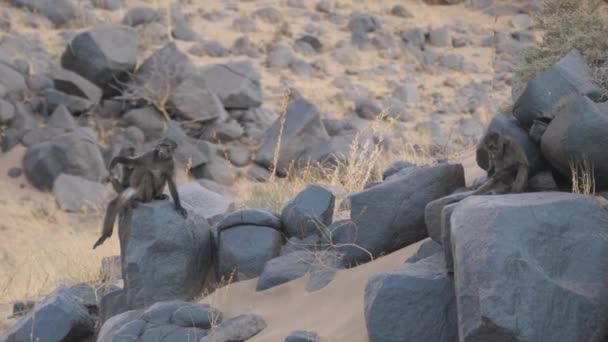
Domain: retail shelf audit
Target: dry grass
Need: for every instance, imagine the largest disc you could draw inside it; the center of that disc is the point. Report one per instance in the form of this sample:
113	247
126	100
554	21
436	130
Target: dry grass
567	25
34	262
583	177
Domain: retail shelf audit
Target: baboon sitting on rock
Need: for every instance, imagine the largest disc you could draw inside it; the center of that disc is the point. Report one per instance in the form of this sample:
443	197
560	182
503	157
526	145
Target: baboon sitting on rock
149	174
508	165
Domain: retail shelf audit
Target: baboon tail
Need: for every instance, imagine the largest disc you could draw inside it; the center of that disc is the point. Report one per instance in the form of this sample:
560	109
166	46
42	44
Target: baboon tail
116	206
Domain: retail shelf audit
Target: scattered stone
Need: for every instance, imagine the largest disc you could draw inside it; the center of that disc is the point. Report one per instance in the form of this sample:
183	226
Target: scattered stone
211	48
367	108
7	112
427	248
192	100
323	6
237	84
302	336
395	168
239	156
184	32
141	15
413	303
147	119
238	328
71	153
59	12
15	172
244	24
71	83
75	194
401	11
104	55
363	23
308	212
407	93
440	37
269	15
60	317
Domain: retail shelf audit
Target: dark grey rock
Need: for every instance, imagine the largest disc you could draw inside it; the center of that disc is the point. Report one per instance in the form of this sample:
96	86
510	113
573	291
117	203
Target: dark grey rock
251	217
243	46
542	182
110	269
279	57
284	269
208	204
211	48
312	41
239	156
367	108
103	55
396	167
323	6
577	136
413	303
308	212
302	336
60	317
71	83
111	304
544	93
238	328
15	172
109	4
219	170
363	23
504	251
268	14
329	153
244	24
390	216
7	112
11	81
237	84
184	32
162	72
301	67
243	250
196	315
21	308
302	127
192	100
75	194
432	213
59	12
141	15
147	119
427	248
401	11
407	93
164	256
440	37
71	153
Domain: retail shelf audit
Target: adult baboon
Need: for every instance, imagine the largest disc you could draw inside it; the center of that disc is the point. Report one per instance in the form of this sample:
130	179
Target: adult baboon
507	166
151	172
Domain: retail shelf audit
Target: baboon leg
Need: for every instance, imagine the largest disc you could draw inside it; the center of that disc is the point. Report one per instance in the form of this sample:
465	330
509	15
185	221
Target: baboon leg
486	187
146	187
117	185
521	180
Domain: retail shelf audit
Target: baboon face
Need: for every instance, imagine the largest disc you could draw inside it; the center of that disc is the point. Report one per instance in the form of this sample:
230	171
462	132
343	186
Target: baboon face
493	142
165	149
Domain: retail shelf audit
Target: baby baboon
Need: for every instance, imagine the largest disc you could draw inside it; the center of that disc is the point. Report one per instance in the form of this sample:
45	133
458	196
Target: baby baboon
151	172
508	166
121	184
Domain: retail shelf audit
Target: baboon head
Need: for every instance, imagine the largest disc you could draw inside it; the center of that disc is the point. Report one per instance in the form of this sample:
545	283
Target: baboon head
165	149
493	142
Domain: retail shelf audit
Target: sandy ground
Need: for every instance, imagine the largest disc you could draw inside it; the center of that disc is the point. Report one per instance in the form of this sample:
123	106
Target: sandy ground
334	312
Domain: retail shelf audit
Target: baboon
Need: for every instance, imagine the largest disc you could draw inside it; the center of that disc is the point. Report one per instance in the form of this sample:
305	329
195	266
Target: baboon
151	172
121	184
507	166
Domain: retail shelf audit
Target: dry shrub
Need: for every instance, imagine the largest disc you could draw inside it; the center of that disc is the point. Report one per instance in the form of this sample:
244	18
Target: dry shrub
583	177
567	25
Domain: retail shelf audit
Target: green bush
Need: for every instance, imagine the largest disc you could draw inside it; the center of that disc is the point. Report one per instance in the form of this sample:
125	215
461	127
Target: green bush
567	25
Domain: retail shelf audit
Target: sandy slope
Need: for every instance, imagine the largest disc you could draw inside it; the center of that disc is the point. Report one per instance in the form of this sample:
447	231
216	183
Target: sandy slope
334	312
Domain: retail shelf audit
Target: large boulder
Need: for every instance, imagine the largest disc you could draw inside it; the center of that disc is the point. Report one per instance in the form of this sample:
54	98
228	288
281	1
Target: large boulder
164	256
161	73
239	328
103	55
302	127
570	76
237	84
509	127
413	303
432	214
60	317
245	241
73	153
74	194
389	216
309	212
520	257
163	321
578	137
193	100
72	83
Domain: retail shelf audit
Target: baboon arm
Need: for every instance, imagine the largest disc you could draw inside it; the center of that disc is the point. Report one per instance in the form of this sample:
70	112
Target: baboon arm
521	180
122	160
486	187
